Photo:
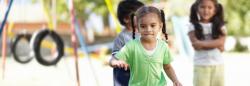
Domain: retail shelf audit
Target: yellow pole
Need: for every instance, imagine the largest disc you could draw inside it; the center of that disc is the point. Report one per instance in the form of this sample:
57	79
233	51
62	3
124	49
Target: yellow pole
111	11
47	15
10	27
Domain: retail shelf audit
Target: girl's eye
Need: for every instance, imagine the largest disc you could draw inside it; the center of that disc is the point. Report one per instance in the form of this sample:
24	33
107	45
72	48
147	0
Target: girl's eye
143	26
152	25
209	7
202	7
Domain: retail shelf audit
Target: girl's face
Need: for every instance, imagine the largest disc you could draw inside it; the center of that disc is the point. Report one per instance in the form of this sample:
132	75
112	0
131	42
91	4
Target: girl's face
206	10
149	26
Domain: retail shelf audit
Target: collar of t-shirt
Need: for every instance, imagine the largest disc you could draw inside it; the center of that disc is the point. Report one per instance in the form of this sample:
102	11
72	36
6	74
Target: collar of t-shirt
149	52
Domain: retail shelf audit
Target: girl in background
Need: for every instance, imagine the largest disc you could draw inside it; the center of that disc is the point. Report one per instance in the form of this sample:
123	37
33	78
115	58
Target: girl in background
207	34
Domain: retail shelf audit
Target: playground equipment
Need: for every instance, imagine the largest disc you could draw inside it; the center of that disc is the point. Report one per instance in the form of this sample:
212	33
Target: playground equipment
74	38
36	46
47	43
22	42
47	38
180	25
111	10
38	43
75	30
22	58
4	36
6	16
38	38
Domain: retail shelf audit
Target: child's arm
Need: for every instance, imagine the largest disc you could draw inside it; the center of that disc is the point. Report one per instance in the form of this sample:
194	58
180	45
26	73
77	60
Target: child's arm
118	44
198	44
115	63
121	58
171	74
210	44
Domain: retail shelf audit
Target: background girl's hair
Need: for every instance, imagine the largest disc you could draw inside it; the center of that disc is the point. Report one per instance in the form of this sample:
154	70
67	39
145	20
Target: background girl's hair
126	7
164	25
195	21
217	20
132	24
150	9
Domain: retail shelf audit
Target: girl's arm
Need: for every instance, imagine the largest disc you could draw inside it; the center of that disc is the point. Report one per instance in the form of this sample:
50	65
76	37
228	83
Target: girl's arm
118	44
210	44
198	44
115	63
194	40
171	74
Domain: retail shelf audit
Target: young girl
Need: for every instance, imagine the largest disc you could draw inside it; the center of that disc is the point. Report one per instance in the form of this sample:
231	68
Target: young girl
147	56
207	34
125	9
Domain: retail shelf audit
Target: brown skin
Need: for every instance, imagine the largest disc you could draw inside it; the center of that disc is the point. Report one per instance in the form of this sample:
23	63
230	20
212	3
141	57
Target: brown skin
115	63
207	10
207	44
149	26
171	74
167	68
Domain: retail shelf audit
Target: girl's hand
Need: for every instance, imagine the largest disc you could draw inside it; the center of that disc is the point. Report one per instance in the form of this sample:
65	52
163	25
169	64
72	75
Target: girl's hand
119	64
221	48
197	45
177	83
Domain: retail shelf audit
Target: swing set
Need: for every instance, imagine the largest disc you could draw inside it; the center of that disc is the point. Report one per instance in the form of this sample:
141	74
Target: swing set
37	40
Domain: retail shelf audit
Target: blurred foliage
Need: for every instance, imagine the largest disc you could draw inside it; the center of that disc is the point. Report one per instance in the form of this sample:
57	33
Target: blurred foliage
237	12
239	47
84	8
180	7
238	16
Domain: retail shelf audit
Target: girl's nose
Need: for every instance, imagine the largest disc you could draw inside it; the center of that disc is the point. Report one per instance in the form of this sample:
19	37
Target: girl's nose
148	29
206	10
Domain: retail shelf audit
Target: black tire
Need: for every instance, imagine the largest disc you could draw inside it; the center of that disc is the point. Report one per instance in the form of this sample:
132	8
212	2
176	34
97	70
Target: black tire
36	46
19	58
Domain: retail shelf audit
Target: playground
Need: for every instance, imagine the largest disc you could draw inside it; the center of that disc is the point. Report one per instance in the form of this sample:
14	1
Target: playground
69	42
33	74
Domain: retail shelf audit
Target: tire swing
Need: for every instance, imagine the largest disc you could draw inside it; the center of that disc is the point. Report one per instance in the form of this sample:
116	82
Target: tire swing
21	50
37	45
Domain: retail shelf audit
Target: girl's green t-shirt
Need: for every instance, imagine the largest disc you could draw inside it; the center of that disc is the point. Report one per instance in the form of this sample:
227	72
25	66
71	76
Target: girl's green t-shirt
145	70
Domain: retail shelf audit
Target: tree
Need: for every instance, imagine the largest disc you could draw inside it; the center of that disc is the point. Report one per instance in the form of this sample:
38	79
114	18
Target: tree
238	16
83	8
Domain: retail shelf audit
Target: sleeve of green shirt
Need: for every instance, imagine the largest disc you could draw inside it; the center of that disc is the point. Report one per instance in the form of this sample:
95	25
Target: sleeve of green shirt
123	54
167	55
